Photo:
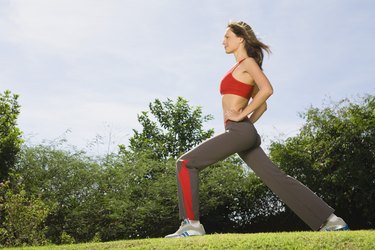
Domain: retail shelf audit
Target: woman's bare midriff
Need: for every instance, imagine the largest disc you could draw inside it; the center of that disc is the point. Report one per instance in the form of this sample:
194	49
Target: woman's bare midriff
233	102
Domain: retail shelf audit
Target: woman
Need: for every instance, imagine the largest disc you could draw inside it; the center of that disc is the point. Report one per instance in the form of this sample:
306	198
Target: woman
243	82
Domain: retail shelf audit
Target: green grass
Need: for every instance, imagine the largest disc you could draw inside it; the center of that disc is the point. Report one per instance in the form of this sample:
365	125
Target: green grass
293	240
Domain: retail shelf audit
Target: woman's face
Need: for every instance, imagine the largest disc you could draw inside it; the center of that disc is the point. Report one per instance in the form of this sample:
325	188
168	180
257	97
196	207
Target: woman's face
231	42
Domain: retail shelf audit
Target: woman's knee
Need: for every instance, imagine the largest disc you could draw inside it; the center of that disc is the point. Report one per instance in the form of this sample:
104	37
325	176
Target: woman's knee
180	163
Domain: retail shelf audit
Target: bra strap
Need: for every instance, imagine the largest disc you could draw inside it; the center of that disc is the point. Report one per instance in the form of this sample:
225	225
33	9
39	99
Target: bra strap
235	66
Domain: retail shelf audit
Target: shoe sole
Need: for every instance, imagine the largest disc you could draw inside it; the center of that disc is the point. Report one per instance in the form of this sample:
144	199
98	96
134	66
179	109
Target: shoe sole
190	233
343	228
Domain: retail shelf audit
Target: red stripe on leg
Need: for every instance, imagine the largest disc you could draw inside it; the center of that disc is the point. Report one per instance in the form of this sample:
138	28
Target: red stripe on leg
184	177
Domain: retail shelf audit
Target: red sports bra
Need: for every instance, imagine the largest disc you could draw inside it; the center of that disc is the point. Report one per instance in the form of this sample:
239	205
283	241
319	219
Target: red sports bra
229	85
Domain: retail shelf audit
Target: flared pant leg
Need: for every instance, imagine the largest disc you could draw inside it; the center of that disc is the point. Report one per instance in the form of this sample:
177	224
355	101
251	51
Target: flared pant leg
299	198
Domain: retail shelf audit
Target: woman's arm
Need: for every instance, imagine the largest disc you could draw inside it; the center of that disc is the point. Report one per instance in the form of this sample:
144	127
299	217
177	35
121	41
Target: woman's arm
258	113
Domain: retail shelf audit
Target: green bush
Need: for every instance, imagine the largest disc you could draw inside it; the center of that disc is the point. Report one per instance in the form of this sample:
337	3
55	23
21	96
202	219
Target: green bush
65	238
24	217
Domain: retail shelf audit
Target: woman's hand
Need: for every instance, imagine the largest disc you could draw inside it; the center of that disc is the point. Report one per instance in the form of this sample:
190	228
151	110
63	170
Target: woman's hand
233	115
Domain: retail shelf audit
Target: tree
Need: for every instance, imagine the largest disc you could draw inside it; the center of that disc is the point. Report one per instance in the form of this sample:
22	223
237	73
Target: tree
173	129
334	155
69	181
10	135
140	197
24	216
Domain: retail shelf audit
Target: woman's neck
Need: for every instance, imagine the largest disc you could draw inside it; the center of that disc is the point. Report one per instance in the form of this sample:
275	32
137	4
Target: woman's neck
240	55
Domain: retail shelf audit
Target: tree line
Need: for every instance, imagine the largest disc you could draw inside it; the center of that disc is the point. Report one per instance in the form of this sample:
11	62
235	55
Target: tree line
50	194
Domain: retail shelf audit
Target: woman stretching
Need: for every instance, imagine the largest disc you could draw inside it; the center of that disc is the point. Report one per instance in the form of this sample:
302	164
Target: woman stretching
243	82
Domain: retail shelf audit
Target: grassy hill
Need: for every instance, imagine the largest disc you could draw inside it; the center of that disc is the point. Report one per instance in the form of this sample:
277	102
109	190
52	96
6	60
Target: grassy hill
292	240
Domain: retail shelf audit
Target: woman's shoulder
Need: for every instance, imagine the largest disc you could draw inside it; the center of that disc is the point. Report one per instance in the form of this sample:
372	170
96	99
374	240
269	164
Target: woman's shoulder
250	63
249	60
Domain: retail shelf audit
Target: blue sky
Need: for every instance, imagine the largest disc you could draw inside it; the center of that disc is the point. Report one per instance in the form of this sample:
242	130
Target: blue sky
90	66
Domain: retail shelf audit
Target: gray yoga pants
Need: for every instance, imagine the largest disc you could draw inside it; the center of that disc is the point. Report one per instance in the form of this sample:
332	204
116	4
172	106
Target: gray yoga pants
243	139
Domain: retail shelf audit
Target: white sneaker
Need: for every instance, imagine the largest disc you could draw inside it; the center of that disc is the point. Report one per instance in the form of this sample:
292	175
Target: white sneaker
337	224
187	229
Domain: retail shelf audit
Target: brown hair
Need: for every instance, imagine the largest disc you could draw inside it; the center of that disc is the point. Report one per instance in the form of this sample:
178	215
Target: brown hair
253	46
